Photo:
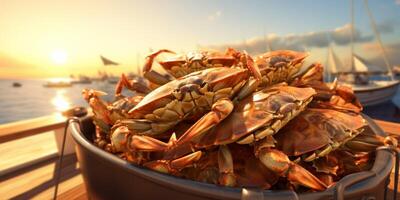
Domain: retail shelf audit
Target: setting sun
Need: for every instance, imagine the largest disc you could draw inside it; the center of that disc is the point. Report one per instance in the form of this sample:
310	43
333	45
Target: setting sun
59	57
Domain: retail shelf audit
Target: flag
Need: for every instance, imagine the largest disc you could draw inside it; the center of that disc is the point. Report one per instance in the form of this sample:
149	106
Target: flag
108	61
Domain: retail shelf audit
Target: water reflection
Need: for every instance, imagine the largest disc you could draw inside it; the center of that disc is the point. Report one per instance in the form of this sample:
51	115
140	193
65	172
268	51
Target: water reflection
60	101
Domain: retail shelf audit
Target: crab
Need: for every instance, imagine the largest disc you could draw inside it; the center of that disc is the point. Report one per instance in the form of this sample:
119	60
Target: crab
184	64
277	65
329	95
318	132
254	120
105	114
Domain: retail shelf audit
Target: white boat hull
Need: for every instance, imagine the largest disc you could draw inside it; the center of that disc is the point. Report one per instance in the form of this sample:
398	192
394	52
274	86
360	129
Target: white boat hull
376	92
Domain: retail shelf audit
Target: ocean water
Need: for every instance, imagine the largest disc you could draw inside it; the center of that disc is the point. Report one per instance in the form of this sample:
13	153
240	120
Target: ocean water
33	100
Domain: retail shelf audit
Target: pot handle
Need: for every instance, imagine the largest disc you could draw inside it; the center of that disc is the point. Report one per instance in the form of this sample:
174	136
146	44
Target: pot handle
396	152
341	186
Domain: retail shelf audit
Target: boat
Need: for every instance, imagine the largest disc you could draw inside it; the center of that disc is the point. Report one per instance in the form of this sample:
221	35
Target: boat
16	84
371	84
57	84
82	80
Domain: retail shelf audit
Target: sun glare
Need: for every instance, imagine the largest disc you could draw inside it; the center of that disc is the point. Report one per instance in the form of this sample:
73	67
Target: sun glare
59	57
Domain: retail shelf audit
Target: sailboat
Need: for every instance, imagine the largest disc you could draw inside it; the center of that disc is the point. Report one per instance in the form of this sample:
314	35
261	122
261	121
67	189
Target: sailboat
369	92
359	74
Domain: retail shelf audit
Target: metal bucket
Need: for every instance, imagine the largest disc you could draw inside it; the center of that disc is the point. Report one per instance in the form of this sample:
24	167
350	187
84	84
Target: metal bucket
108	177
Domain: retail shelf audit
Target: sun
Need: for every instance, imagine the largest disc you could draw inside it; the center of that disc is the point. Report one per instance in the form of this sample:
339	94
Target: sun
59	57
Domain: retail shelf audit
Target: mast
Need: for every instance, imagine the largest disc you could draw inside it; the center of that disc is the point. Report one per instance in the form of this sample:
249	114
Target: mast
378	37
267	45
352	36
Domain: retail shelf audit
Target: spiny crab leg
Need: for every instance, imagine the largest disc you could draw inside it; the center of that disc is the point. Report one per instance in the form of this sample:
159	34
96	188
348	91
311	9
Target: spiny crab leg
174	166
368	142
174	149
219	111
99	106
278	162
152	75
225	165
133	85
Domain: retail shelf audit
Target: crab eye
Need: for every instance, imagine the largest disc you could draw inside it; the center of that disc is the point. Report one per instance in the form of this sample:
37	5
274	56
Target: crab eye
198	81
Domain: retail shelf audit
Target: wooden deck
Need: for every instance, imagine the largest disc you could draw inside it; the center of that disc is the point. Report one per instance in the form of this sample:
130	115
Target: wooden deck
37	180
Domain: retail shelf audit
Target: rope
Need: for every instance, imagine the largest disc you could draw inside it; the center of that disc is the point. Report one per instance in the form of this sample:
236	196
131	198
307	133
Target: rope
352	35
378	37
60	160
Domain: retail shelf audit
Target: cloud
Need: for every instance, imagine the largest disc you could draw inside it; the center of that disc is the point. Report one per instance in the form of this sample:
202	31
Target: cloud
392	52
339	36
214	16
397	2
387	26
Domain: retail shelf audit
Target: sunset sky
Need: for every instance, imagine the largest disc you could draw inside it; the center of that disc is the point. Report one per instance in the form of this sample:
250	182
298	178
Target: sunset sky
40	39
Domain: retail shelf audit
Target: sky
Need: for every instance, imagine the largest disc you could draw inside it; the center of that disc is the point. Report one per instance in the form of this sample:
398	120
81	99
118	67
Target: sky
41	39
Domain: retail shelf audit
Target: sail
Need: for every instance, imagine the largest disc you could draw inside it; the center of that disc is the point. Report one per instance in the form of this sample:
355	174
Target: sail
108	61
334	64
361	65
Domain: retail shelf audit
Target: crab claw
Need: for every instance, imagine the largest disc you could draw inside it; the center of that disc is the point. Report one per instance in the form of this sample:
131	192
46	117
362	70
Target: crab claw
279	163
367	141
252	66
133	85
146	143
150	59
174	166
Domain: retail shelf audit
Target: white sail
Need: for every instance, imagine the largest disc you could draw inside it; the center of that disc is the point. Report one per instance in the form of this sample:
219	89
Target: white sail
361	65
334	64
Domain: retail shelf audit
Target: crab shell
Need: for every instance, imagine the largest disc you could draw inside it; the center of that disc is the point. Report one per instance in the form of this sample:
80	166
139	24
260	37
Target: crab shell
182	89
272	107
181	65
275	65
317	132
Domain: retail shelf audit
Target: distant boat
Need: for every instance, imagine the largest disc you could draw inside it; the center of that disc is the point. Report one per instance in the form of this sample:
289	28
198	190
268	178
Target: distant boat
113	80
16	84
358	73
82	80
57	84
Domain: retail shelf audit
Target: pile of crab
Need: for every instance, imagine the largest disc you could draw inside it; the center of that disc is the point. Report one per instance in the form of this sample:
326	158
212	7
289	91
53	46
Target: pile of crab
226	118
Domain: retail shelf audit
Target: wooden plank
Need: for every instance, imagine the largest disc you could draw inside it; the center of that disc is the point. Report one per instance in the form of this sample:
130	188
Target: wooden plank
37	182
17	154
77	193
389	127
20	129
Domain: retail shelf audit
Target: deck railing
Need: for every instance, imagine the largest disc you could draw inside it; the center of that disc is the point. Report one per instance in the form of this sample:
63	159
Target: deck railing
31	127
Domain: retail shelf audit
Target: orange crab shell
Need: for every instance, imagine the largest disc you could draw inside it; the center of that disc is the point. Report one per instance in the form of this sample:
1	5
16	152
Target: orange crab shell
275	58
209	57
228	77
314	128
253	112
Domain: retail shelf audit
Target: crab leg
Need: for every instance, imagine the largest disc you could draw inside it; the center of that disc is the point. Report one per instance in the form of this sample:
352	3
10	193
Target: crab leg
225	165
174	166
278	162
152	75
131	85
219	111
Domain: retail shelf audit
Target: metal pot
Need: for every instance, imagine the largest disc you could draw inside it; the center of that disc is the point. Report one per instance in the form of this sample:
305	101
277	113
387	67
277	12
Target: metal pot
108	177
